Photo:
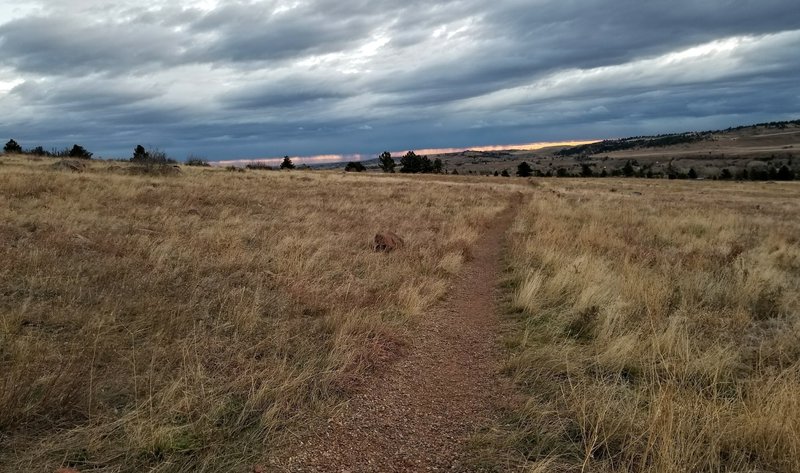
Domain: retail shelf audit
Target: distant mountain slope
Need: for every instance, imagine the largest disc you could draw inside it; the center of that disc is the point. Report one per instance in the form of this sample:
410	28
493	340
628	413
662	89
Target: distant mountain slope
666	140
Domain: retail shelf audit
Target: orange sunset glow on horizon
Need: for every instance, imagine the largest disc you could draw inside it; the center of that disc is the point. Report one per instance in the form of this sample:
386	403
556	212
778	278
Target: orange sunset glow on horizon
336	158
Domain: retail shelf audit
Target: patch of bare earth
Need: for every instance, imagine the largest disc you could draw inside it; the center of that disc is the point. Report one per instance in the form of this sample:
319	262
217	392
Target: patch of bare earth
419	413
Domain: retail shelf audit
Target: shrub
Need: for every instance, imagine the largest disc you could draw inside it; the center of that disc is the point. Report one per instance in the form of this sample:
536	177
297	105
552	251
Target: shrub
70	165
150	156
785	174
354	166
192	160
60	153
12	147
257	166
39	151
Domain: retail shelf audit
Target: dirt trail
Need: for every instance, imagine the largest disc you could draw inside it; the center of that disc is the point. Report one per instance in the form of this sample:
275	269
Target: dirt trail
418	415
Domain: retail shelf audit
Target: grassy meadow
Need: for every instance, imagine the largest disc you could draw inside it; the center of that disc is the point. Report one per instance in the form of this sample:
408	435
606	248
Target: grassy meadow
191	322
655	327
199	321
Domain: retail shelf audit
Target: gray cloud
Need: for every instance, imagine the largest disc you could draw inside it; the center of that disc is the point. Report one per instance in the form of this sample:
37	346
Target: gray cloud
68	46
259	32
291	91
250	78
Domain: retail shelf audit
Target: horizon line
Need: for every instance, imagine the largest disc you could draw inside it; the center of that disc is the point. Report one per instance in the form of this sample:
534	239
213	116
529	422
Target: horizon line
341	158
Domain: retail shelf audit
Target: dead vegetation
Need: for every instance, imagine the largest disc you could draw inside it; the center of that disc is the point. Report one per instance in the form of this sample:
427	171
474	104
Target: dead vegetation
189	322
197	321
656	329
69	165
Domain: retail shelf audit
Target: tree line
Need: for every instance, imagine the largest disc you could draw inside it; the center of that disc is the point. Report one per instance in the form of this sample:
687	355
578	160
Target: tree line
76	151
633	169
410	163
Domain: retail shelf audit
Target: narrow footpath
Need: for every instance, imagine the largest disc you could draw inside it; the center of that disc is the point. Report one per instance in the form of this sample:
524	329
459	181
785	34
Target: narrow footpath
419	414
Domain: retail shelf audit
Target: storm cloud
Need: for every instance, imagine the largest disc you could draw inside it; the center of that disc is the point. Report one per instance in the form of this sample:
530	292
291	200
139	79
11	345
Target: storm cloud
267	78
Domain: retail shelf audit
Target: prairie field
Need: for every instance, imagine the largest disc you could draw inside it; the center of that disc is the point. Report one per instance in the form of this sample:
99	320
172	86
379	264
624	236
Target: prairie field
655	327
205	320
191	322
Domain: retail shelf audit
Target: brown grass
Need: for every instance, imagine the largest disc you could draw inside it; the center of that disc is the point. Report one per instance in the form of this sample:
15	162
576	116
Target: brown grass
190	322
656	332
197	321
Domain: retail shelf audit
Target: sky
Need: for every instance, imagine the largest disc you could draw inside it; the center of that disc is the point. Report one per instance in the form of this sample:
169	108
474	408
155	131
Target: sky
351	78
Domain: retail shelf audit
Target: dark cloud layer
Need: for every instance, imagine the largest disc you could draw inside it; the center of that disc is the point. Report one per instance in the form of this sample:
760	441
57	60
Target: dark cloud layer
308	77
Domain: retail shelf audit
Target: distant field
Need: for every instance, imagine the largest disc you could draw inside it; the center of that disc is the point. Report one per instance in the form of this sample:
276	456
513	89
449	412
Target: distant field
656	327
189	322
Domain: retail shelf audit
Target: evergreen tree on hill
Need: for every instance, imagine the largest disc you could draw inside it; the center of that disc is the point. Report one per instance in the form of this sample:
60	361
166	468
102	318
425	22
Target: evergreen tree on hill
387	162
12	147
413	164
140	155
524	170
287	163
79	151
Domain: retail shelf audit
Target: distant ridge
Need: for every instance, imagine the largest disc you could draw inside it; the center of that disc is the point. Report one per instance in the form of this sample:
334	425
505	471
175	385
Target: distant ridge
660	141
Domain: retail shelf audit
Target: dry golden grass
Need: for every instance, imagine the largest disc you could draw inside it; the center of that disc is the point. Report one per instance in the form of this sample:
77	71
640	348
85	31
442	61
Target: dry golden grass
656	327
194	322
187	323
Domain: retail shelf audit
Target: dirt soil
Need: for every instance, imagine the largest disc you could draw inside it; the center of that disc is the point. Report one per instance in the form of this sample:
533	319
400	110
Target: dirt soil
419	414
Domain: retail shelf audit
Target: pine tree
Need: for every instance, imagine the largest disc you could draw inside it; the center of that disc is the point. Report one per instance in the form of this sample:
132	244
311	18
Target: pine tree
12	147
140	155
628	170
287	163
79	151
524	169
410	163
387	162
